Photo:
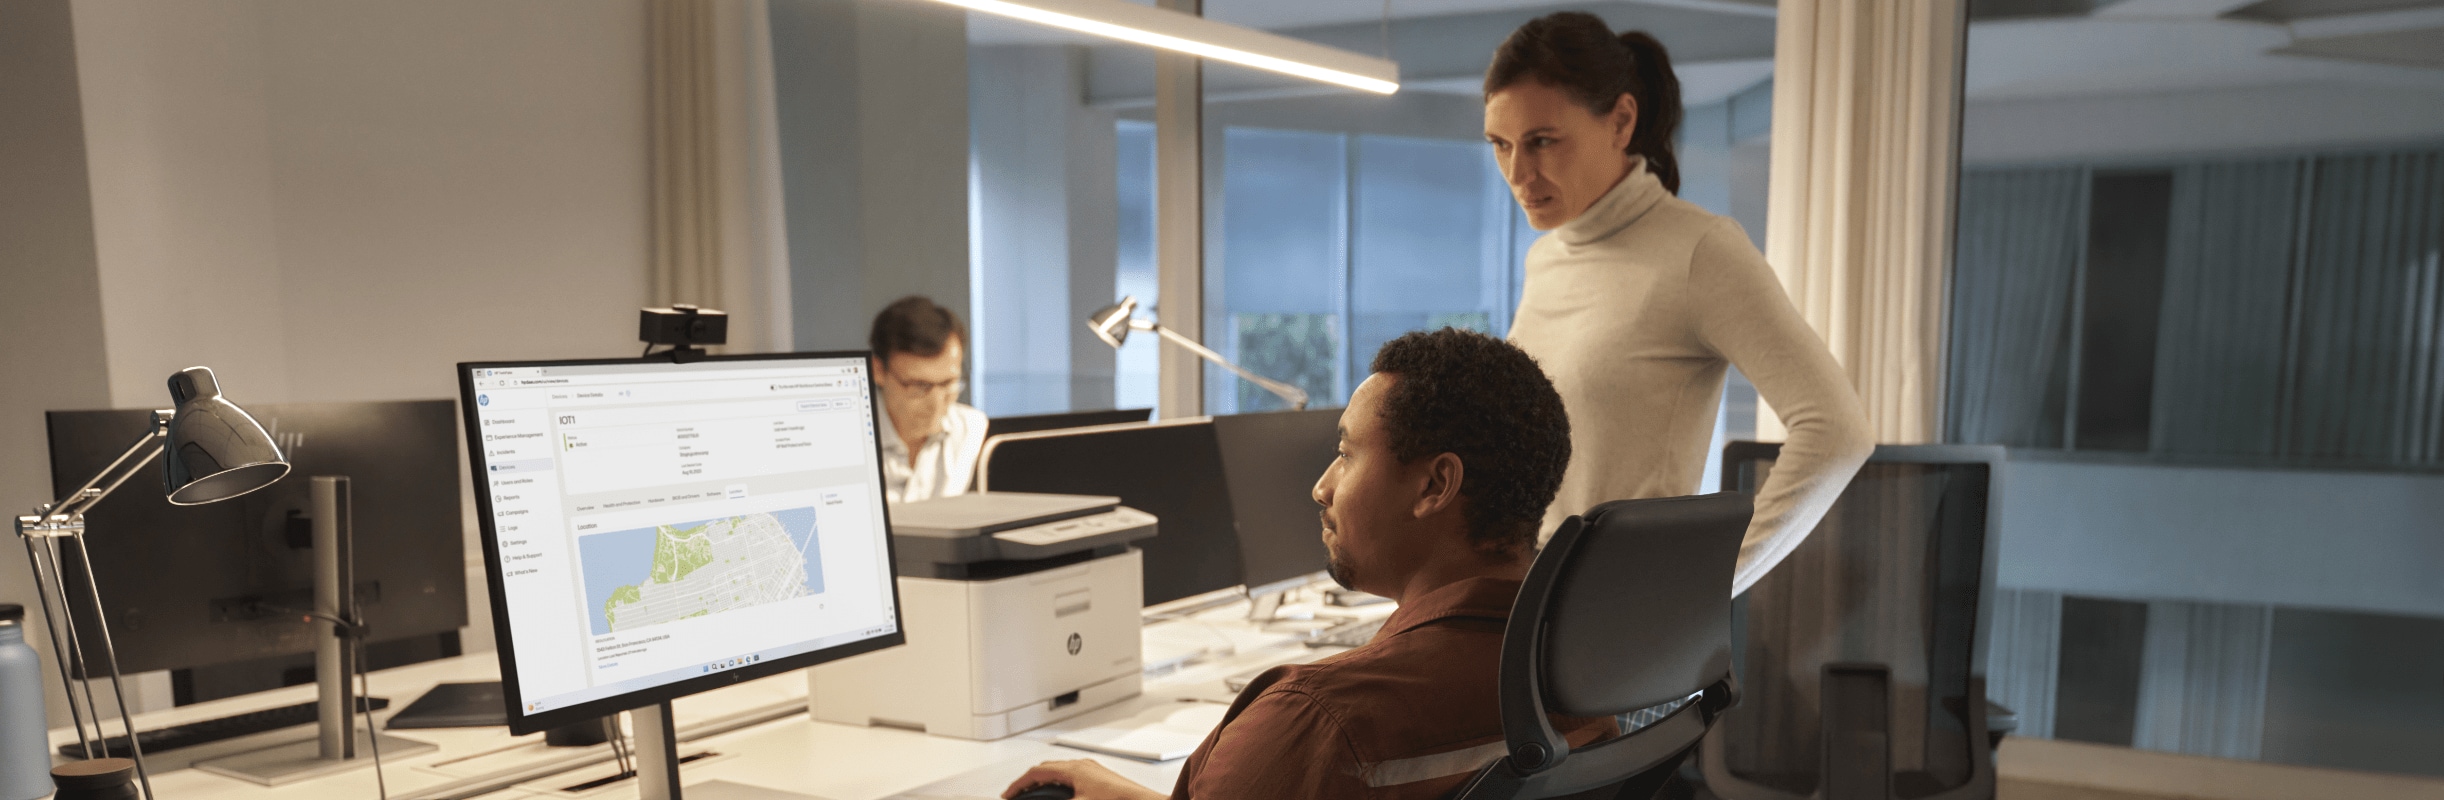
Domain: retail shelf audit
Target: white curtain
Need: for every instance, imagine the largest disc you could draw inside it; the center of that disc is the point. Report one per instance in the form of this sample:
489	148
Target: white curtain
2022	235
2367	376
2024	657
2220	339
2202	680
1865	138
2302	319
715	211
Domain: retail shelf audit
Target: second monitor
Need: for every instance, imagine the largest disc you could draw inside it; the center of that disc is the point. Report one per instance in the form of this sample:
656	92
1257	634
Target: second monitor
1233	493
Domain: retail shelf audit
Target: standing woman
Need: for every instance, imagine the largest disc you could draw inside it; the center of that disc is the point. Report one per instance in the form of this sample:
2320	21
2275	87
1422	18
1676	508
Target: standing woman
1636	300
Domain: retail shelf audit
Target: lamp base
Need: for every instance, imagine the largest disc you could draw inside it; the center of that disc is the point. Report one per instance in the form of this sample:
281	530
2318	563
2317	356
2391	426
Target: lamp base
297	761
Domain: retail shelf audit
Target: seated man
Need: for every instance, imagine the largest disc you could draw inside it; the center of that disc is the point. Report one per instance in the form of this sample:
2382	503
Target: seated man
930	439
1449	454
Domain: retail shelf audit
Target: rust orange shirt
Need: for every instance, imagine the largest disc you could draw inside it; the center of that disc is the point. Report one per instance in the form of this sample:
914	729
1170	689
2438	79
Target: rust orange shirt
1409	715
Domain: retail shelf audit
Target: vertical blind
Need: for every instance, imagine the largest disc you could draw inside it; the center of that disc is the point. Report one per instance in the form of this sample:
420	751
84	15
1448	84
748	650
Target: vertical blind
2302	320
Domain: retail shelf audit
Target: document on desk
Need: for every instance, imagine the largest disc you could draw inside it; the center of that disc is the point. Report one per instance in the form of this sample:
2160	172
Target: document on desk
1162	733
987	783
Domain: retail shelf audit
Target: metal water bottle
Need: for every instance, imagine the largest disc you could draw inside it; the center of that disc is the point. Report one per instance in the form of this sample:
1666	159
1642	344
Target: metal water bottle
25	761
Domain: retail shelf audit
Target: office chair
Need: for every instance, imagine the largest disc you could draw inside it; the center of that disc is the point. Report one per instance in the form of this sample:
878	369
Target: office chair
1627	608
1864	652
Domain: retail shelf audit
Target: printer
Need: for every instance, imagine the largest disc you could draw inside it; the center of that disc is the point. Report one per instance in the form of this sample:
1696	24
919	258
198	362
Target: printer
1020	609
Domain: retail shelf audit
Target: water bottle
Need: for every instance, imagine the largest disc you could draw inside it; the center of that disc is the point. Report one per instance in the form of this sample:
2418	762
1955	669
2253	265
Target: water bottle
25	760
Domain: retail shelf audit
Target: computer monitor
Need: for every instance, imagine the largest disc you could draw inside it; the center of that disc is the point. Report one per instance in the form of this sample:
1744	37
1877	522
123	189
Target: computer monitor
654	529
1029	423
189	586
1271	461
1170	469
1899	572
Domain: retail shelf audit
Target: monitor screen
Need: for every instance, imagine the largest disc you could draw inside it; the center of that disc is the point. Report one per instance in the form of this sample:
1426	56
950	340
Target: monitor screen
655	529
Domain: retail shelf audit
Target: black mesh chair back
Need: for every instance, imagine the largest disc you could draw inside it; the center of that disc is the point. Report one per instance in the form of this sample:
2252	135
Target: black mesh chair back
1628	607
1862	654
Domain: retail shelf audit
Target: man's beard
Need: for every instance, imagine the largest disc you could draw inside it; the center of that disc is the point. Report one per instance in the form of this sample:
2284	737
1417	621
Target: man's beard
1340	569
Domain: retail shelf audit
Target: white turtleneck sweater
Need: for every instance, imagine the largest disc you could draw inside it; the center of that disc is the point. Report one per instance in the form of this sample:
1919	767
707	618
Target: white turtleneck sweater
1634	309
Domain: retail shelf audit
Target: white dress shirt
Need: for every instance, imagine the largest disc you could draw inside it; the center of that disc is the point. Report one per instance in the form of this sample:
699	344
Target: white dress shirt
945	463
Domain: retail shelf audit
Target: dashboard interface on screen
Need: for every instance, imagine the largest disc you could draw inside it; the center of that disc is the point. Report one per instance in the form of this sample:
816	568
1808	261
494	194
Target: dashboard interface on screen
654	523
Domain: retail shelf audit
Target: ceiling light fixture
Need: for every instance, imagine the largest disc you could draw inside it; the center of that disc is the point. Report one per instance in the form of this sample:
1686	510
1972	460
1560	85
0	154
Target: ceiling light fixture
1197	36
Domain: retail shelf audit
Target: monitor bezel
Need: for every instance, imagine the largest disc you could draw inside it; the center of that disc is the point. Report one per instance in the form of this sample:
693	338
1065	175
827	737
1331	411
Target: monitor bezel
520	723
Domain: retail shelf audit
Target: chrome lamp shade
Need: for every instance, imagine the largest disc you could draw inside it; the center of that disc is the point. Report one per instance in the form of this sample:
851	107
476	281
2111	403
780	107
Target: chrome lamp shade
1111	323
215	451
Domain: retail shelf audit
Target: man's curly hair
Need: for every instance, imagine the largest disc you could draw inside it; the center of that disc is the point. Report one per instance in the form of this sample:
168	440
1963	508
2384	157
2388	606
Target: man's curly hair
1485	400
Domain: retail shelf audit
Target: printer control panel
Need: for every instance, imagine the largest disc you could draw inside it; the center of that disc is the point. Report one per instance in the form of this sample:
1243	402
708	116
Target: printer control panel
1065	530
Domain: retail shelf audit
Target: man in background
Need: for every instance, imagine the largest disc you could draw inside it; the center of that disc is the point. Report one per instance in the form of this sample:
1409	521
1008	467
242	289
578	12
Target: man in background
930	439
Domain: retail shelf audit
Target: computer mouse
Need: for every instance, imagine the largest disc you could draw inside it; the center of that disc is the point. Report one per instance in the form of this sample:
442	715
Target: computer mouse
1046	791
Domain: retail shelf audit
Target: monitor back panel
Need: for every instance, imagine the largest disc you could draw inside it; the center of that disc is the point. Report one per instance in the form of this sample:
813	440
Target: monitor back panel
177	577
1029	423
1272	461
1172	470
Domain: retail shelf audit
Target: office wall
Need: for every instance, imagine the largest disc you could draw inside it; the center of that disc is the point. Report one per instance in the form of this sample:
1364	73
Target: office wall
338	201
332	201
1046	241
2355	541
54	356
872	111
2197	123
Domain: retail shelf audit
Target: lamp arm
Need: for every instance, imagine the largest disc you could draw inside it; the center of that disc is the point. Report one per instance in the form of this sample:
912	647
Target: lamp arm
84	498
1296	397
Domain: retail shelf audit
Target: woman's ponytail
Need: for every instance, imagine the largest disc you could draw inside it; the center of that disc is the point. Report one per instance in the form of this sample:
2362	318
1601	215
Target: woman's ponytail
1578	53
1658	94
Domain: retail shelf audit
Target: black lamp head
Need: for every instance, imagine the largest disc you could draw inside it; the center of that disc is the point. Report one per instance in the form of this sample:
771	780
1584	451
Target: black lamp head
215	450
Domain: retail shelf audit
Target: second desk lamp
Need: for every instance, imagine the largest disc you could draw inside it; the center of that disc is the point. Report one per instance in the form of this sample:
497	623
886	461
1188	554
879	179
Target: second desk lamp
1113	323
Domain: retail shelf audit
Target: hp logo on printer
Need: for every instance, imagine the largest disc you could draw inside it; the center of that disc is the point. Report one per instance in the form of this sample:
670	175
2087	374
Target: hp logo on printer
1076	644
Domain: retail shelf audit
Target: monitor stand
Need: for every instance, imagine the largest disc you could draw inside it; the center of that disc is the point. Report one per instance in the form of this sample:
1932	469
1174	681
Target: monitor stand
657	765
339	745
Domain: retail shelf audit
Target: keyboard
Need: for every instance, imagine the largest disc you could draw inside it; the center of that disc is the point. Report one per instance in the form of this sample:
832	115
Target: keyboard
213	730
1350	635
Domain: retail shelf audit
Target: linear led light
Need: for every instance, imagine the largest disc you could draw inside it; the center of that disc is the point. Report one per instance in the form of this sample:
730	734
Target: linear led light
1197	36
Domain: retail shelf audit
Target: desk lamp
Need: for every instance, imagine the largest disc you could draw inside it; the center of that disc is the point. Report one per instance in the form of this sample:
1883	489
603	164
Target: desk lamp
216	452
1113	323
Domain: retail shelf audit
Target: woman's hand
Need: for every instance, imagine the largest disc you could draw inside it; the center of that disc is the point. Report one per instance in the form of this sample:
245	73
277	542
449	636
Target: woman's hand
1087	778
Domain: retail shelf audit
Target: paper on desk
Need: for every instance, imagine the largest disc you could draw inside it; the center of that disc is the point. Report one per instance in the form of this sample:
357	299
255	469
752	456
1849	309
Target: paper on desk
1161	733
987	783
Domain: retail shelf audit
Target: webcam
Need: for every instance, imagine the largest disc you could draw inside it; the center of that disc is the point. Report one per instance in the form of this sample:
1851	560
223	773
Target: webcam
685	328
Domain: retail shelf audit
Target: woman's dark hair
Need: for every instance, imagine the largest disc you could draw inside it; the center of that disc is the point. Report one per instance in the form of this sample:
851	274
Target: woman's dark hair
915	325
1486	401
1576	52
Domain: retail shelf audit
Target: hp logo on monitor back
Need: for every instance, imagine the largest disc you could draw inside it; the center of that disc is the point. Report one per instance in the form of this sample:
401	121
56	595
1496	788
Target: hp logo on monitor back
1076	644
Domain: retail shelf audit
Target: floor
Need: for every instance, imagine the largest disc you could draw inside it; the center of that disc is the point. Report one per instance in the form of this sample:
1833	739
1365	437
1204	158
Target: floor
2044	769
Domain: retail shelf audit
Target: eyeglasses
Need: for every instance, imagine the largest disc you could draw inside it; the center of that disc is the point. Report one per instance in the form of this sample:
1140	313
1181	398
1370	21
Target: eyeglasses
926	387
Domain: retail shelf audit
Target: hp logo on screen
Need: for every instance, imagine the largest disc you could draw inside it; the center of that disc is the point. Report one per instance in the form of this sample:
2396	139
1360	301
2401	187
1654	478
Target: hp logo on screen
1076	643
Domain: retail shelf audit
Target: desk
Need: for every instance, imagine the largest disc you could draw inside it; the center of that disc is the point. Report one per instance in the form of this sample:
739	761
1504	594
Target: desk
774	743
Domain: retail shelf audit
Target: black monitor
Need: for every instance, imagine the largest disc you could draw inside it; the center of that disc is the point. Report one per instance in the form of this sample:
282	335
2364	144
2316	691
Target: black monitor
187	585
1029	423
1170	469
1899	572
1272	461
655	528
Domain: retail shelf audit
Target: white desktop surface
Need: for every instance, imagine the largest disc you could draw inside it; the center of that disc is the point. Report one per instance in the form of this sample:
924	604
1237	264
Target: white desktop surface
792	752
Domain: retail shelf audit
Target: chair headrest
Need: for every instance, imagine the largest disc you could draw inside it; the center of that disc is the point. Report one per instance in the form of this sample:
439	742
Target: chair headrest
1638	611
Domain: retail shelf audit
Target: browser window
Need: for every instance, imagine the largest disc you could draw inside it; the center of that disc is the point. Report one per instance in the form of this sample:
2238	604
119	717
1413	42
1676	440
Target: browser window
658	522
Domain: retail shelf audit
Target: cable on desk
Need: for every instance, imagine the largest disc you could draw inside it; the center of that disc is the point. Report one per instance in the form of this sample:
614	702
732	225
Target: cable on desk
364	688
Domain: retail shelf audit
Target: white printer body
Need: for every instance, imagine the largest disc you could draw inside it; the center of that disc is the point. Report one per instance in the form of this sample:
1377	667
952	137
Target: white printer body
1019	609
